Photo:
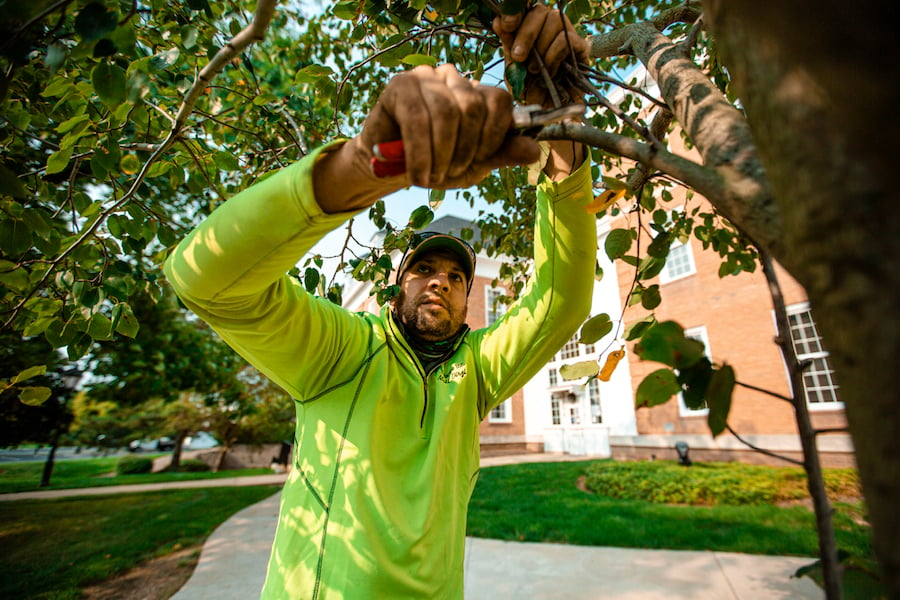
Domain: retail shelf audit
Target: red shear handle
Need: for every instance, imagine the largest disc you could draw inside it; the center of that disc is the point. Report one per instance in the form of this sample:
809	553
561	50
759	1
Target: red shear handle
388	159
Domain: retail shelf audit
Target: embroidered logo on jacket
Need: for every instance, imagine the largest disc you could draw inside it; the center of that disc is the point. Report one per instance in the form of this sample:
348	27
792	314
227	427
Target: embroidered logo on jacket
456	374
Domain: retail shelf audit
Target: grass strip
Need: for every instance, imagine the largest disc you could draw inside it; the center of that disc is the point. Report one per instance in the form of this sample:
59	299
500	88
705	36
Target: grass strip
95	472
53	548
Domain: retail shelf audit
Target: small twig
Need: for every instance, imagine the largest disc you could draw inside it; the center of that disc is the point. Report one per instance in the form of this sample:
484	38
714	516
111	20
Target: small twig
763	450
765	391
831	430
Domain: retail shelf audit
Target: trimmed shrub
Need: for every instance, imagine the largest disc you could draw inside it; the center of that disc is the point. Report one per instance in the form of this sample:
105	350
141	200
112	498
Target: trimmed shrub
710	483
193	465
133	465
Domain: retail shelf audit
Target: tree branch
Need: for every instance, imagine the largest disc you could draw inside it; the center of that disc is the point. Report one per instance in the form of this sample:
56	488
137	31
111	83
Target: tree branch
704	180
762	450
719	131
253	32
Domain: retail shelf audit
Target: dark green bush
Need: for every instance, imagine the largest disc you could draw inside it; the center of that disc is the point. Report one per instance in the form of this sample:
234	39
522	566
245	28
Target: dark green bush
709	483
193	465
132	465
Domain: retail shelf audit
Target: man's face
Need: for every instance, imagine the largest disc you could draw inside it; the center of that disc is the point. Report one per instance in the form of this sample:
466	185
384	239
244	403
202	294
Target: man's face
432	299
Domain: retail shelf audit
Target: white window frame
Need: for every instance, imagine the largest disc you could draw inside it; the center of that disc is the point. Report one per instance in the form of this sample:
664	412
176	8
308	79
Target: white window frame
593	393
666	276
696	333
822	354
492	311
502	413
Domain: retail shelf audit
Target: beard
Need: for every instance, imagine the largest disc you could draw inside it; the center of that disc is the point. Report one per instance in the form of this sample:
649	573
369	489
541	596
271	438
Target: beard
427	321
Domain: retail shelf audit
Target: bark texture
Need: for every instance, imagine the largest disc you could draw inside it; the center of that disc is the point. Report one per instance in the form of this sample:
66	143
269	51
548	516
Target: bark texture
820	89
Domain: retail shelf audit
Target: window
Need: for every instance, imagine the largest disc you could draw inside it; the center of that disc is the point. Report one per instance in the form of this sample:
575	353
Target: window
553	376
594	394
680	261
556	399
570	350
574	415
699	334
502	413
493	308
818	378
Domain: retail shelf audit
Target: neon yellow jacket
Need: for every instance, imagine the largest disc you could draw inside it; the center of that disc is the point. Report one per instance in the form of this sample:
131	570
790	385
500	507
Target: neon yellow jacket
386	455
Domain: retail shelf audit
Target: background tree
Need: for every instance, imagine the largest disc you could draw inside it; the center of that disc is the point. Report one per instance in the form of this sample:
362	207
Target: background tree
111	145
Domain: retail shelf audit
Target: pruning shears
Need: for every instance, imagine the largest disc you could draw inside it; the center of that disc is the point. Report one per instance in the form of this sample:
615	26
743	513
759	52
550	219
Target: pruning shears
388	158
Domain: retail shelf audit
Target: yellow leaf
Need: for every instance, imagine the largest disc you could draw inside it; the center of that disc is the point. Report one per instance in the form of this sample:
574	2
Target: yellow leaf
610	365
604	201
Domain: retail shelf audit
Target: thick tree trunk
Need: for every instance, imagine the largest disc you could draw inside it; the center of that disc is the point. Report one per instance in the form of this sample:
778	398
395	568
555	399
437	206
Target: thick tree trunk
819	88
175	463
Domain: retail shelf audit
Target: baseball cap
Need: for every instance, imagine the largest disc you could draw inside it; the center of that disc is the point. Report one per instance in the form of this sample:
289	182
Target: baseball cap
428	241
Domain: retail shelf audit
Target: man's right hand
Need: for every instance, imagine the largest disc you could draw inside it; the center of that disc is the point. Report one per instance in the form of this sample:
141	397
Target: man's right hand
454	131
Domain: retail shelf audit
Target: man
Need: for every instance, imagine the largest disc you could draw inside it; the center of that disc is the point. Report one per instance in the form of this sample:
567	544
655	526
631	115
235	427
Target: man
388	406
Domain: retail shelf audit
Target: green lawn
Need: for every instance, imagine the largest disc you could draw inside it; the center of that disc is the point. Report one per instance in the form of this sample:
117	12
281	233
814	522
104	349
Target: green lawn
63	544
94	472
540	503
52	548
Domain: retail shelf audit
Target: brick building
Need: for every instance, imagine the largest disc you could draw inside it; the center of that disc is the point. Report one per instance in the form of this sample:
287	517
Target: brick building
733	317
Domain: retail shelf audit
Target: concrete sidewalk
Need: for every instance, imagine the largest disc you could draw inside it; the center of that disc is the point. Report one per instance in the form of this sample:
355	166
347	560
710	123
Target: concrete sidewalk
233	562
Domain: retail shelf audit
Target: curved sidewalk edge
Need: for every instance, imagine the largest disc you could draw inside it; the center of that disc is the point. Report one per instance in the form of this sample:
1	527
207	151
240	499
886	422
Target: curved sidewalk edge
148	487
232	566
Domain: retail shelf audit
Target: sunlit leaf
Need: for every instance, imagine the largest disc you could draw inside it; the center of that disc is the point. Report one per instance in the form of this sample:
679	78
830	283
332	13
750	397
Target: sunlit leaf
29	373
617	243
587	368
595	328
34	396
657	388
421	217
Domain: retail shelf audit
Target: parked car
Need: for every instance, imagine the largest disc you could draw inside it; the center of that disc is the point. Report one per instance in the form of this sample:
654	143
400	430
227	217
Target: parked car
158	445
200	441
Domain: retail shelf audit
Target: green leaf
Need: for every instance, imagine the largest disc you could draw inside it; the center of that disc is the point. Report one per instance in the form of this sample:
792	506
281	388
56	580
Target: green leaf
651	267
595	328
313	73
347	10
419	59
124	321
10	184
659	247
29	373
165	59
637	329
94	21
311	280
587	368
100	327
436	198
226	161
650	297
34	396
515	78
109	83
421	217
618	243
59	160
665	343
656	388
718	397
